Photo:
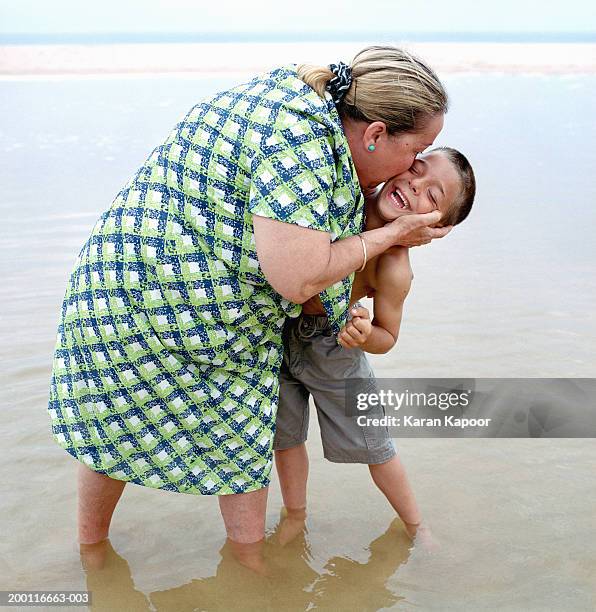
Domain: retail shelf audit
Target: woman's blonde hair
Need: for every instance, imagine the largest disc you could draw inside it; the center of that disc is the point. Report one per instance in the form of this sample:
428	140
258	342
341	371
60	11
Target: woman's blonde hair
388	85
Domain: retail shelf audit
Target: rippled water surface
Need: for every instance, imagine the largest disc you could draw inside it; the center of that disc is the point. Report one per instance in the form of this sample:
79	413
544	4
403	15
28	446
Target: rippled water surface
511	293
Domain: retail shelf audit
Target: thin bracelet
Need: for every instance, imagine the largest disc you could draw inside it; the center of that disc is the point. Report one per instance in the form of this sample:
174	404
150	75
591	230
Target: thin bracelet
363	252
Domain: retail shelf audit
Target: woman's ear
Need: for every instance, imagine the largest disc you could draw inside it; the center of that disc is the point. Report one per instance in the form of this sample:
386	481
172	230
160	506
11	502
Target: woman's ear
373	133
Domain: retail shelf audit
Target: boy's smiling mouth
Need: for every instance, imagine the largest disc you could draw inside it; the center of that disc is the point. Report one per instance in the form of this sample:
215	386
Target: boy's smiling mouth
399	199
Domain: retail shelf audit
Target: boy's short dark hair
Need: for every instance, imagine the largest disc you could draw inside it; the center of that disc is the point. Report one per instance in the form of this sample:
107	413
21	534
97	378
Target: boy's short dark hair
459	209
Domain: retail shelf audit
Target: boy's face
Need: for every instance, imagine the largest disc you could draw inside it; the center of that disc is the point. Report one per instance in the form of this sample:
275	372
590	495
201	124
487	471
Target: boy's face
431	183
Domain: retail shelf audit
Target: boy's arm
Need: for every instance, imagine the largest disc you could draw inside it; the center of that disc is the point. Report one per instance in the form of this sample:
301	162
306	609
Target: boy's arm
394	278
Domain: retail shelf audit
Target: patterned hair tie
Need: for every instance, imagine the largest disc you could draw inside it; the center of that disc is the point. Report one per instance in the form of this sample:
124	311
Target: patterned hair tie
338	86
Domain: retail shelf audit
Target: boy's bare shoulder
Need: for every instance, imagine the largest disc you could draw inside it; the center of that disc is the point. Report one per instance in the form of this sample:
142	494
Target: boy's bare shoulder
394	267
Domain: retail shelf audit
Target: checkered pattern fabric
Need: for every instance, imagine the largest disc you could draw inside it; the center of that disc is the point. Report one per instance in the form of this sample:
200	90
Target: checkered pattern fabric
169	345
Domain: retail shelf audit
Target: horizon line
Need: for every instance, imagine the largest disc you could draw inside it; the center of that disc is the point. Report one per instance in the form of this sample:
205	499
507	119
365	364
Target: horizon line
21	38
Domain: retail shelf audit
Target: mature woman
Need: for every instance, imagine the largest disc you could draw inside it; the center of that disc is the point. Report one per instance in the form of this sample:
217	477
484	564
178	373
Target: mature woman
169	347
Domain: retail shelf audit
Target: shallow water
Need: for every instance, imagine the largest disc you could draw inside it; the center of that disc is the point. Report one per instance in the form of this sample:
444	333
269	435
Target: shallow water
508	294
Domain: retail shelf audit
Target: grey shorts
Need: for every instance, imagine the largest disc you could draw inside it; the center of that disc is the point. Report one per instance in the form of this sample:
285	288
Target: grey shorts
314	364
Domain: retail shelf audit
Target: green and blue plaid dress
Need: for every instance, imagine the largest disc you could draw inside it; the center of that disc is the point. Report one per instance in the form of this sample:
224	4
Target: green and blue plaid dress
169	345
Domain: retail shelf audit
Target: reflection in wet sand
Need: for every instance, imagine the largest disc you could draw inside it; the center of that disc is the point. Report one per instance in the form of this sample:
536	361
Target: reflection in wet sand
109	580
347	584
290	582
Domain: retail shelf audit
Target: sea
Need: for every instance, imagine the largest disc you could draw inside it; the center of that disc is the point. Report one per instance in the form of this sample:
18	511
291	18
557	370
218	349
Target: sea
510	293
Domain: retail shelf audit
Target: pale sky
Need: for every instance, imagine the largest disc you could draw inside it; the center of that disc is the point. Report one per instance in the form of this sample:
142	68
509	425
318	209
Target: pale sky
274	16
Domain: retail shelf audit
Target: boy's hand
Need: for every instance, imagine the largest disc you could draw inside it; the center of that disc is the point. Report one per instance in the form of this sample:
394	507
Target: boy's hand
356	331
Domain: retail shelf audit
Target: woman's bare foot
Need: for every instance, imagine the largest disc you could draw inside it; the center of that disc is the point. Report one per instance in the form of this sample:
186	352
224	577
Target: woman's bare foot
93	556
249	555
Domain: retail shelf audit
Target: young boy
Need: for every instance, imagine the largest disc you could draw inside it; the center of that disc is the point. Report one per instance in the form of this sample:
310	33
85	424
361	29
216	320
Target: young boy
317	363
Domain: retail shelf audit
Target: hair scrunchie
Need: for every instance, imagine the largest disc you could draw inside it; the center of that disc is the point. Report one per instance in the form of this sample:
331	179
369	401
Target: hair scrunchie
338	86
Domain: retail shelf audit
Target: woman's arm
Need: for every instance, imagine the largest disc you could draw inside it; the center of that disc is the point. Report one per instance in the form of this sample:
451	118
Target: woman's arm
299	262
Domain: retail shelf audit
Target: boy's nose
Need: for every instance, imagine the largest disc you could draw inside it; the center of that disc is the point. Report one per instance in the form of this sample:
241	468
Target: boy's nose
414	187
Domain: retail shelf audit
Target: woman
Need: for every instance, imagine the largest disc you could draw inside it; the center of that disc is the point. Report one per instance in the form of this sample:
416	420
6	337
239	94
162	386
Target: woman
169	348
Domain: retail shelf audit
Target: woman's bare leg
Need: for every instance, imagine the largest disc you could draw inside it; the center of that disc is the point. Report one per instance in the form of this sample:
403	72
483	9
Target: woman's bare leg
97	499
244	519
244	515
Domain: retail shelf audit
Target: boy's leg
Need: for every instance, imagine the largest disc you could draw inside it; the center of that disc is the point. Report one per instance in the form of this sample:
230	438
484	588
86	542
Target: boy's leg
98	495
291	425
391	479
292	469
344	440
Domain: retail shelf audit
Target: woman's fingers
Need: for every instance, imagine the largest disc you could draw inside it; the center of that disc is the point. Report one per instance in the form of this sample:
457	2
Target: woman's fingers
439	232
415	230
412	222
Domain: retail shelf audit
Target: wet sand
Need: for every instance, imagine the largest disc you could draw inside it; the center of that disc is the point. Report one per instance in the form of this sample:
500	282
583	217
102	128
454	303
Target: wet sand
509	294
548	58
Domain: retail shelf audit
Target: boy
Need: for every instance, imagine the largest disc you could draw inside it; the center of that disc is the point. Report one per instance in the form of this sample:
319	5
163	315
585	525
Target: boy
317	363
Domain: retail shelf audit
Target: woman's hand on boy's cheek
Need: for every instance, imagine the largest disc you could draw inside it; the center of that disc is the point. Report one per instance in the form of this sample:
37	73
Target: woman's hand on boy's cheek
415	229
